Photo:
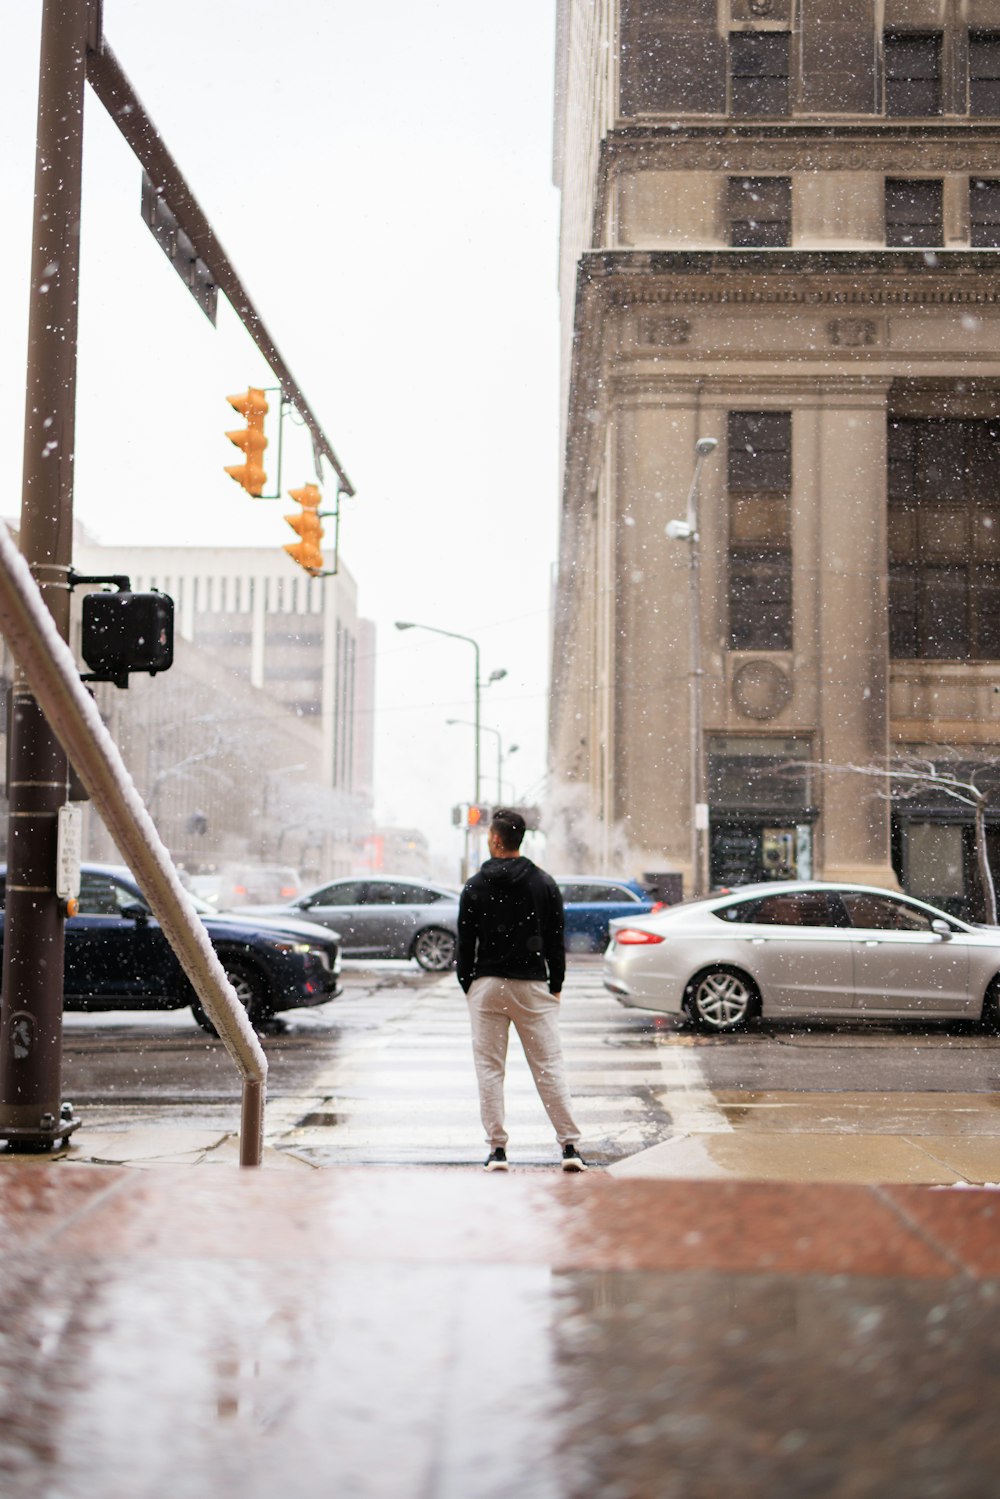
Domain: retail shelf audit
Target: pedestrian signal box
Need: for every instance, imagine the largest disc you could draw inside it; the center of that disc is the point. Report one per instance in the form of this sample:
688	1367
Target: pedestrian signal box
125	632
478	817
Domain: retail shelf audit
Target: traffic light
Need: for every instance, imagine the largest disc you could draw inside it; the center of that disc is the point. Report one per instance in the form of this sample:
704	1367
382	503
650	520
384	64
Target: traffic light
250	440
478	817
307	552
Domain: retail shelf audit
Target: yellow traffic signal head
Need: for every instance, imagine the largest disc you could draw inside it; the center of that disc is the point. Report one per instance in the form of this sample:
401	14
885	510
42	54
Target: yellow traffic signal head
249	403
308	496
308	552
250	440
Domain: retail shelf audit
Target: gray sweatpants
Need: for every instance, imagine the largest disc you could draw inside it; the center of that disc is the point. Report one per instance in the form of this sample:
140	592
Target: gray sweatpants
493	1004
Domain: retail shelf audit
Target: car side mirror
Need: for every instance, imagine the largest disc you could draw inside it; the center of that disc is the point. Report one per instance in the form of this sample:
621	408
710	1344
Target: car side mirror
136	912
941	927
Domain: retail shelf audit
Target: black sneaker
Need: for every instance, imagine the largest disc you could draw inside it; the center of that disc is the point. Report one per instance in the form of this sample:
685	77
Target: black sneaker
496	1160
572	1159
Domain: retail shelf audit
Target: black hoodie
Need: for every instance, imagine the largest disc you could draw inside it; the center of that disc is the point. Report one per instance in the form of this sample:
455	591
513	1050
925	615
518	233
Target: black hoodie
510	925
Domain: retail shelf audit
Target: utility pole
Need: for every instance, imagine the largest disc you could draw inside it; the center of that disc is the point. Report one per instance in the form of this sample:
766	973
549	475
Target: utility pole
687	531
31	1006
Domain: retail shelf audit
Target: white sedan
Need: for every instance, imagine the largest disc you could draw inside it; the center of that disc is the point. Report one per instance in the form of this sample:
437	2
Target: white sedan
806	949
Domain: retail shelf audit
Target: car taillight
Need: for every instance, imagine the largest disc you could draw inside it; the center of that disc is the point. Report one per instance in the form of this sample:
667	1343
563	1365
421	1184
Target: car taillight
658	905
631	936
288	892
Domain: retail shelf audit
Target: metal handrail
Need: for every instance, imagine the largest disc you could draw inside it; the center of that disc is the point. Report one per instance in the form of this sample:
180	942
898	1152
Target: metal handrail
48	665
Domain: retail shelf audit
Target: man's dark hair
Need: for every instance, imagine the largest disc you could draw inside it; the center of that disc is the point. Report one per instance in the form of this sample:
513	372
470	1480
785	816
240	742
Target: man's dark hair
509	827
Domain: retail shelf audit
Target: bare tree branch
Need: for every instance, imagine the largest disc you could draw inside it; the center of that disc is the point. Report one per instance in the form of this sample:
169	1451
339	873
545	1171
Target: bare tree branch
907	776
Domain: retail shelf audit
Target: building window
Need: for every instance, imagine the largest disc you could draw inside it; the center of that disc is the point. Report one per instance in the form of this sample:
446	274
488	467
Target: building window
944	539
914	211
762	773
984	73
760	549
758	72
759	212
984	211
912	73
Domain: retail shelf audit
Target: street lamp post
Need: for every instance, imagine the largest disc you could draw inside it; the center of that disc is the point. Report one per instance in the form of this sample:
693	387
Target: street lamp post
265	819
485	728
687	531
494	676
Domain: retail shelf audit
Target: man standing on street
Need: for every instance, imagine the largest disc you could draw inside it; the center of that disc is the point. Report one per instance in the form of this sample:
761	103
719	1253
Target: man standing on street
511	965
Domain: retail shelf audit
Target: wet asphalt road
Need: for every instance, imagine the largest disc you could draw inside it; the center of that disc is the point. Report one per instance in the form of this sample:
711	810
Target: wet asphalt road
383	1074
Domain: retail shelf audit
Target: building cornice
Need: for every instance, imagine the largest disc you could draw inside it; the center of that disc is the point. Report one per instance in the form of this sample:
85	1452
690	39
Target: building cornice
611	283
958	146
811	277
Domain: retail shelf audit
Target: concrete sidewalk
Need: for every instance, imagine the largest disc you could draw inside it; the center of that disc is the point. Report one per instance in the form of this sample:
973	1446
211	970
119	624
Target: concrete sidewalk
444	1334
928	1139
931	1139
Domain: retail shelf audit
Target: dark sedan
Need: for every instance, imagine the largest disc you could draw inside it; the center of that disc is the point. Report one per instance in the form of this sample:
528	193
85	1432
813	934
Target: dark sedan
117	957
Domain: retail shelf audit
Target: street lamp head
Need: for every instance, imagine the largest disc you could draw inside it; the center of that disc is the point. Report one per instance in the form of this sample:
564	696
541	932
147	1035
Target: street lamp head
679	530
512	749
706	445
404	624
498	675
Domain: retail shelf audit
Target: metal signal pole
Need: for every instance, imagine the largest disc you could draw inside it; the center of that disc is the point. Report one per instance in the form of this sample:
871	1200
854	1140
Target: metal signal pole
31	1005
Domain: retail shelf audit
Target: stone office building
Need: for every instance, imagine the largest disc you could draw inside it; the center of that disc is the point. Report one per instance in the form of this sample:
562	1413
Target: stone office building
780	224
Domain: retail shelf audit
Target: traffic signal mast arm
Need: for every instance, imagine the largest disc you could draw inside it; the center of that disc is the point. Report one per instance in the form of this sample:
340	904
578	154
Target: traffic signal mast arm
114	89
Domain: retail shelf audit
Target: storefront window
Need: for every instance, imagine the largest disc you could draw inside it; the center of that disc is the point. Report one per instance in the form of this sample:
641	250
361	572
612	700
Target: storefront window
935	861
760	821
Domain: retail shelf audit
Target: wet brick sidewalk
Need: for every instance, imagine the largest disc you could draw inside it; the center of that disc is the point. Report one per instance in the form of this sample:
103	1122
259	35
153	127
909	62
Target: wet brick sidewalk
442	1334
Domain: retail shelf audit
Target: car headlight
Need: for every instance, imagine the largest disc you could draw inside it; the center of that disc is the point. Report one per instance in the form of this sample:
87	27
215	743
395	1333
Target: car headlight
302	950
283	944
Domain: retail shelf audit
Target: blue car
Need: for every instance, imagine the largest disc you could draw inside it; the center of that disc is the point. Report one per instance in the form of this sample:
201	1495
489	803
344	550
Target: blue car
590	903
117	957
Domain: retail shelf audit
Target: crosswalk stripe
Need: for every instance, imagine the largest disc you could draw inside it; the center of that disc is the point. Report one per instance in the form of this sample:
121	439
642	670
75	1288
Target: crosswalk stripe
405	1089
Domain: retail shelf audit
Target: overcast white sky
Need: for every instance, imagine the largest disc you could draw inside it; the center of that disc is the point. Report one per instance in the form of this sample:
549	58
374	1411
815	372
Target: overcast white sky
381	177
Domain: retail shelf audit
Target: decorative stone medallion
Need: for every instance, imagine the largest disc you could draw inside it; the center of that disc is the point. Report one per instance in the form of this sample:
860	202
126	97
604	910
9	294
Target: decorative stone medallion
761	689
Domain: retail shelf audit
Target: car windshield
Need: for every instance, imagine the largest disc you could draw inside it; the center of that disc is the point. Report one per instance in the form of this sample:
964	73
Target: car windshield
102	894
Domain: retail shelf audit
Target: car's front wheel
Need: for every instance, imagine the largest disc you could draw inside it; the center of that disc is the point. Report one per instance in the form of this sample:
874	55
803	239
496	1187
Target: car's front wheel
991	1008
722	999
251	991
434	949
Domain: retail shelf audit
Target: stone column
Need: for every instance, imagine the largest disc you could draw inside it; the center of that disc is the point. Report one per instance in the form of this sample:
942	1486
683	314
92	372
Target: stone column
654	464
853	664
